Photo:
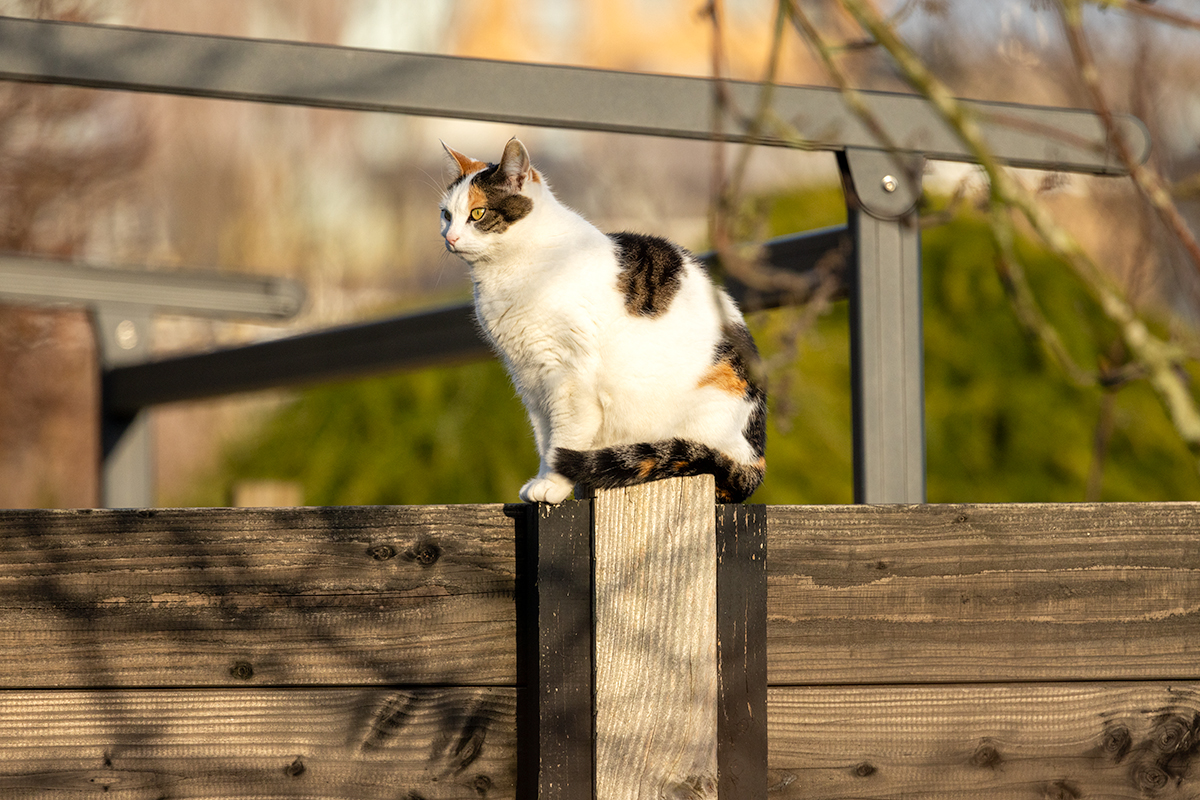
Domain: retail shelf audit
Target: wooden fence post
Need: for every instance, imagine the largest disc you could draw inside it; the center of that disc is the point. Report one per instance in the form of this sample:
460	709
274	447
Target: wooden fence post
656	678
644	647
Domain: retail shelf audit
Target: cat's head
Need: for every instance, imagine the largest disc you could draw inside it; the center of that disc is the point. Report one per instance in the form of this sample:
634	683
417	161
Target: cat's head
485	200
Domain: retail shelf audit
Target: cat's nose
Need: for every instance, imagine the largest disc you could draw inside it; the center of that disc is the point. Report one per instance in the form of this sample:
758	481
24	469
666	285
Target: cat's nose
451	241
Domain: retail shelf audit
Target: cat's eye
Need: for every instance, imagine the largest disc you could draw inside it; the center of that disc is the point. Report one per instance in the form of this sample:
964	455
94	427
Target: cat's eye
446	214
477	213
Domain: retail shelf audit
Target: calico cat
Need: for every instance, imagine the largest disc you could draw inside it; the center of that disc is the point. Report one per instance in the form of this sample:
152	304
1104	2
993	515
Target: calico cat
632	364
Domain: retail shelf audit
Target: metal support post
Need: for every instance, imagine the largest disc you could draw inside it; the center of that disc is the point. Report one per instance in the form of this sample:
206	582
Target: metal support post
886	343
127	474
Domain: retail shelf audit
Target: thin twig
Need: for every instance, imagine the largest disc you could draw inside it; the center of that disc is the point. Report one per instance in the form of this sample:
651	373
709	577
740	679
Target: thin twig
1152	12
1145	178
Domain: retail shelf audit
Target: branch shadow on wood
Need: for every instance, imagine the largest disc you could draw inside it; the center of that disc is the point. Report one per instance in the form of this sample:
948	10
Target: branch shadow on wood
220	650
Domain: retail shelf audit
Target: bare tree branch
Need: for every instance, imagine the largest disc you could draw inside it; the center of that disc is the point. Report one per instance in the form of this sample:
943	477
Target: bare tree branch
1149	183
1161	359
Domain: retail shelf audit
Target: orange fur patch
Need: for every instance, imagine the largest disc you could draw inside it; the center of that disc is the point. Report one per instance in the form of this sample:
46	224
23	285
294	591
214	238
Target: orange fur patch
723	376
679	466
476	197
646	467
537	176
465	163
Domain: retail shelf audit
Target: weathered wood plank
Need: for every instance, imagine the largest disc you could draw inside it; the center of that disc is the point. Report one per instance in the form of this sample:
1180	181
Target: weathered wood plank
655	623
223	744
215	597
1077	740
892	594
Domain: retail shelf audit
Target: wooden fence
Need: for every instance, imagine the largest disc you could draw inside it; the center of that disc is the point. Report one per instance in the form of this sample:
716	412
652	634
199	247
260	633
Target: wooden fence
1008	651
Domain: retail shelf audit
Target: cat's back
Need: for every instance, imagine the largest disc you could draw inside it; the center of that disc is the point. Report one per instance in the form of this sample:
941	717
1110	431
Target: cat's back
661	285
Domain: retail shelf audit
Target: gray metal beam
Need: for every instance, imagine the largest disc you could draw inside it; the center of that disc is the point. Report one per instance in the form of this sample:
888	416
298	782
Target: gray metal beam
530	94
412	341
36	281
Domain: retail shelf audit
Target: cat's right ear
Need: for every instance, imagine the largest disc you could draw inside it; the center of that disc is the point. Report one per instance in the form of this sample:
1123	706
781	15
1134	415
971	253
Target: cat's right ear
514	164
464	165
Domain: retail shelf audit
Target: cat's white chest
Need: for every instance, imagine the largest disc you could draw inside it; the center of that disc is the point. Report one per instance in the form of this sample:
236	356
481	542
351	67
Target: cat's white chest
545	332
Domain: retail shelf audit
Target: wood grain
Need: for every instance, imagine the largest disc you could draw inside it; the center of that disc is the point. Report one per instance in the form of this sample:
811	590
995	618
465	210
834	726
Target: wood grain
356	744
891	594
217	597
1075	740
655	654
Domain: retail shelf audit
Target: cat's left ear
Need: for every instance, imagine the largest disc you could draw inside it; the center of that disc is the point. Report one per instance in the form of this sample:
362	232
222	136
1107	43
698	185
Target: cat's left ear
514	164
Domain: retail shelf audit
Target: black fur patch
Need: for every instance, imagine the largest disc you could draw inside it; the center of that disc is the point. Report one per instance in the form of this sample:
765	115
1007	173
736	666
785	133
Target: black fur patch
651	272
504	207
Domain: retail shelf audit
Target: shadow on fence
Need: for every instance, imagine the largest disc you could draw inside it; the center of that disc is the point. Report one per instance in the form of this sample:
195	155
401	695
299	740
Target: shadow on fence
446	652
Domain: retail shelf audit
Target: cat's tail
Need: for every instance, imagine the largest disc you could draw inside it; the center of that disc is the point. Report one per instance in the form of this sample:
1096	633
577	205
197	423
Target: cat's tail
631	464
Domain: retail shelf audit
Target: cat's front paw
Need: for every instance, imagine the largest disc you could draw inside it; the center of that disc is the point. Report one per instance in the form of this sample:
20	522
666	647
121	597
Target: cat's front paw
552	488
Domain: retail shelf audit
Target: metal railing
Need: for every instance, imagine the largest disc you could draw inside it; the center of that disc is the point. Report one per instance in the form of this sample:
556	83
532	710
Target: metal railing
884	284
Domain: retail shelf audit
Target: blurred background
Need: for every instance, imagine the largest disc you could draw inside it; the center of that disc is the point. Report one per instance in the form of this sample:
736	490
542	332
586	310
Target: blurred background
346	202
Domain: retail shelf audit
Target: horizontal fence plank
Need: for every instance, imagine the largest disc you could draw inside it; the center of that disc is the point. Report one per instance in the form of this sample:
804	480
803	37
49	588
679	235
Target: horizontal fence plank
534	94
1119	740
1111	740
356	744
892	594
400	595
426	595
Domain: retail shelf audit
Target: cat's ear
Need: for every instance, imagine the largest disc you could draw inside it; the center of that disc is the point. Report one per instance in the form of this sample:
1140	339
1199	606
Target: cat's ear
514	164
464	164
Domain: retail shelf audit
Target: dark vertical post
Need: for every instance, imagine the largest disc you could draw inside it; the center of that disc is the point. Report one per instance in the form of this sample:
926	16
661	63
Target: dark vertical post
742	652
887	362
554	630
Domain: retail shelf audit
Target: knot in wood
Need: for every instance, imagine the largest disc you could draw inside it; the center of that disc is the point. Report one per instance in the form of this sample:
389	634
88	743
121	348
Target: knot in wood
482	784
1150	778
1173	735
986	756
864	770
294	769
381	552
424	553
1116	742
242	670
